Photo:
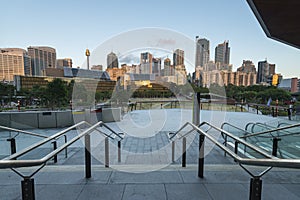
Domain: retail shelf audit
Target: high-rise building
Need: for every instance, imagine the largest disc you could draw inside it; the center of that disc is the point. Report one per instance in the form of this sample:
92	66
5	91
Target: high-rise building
178	57
168	68
202	51
156	67
247	66
222	53
265	71
64	62
112	60
41	58
14	61
146	63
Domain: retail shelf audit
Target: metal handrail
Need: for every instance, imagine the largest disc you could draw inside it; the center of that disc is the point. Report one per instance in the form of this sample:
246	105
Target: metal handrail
24	132
270	161
226	123
241	141
246	127
273	130
40	143
9	163
281	123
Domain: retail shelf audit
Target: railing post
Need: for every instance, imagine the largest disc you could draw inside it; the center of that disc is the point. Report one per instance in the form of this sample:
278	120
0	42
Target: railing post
225	143
88	161
28	189
255	188
196	109
66	150
119	151
54	148
275	146
173	151
106	152
201	156
13	148
236	147
184	152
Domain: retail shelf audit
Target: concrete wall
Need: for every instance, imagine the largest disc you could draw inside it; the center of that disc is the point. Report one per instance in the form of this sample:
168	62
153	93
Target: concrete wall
26	120
36	119
55	119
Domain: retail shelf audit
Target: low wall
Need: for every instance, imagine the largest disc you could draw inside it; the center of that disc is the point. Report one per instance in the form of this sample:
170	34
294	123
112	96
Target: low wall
36	119
56	119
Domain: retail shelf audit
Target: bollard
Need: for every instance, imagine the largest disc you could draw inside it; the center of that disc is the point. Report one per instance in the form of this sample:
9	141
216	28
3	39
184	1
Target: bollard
88	161
184	152
106	152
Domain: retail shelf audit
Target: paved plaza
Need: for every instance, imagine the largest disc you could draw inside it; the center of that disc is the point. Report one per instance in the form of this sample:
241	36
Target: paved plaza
146	170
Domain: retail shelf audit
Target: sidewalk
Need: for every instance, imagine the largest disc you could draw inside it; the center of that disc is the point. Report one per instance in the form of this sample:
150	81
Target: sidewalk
172	183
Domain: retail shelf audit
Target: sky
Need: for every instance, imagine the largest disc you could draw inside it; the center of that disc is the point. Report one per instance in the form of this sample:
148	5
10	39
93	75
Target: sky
71	26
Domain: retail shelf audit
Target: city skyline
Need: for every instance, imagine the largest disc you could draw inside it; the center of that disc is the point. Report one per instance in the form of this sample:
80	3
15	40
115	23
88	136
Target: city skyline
88	27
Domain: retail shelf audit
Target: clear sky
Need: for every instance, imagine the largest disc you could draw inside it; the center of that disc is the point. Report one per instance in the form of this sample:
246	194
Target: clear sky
71	26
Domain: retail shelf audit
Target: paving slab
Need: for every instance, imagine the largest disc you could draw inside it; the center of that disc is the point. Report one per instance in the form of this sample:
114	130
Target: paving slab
187	192
102	192
145	192
232	191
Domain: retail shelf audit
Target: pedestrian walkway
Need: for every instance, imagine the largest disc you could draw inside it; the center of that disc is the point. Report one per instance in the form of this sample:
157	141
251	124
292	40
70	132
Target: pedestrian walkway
225	181
146	170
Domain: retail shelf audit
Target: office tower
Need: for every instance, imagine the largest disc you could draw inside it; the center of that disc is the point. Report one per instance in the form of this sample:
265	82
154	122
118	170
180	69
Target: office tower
112	60
265	71
41	58
156	67
178	57
146	63
202	51
168	68
64	62
247	66
14	61
222	53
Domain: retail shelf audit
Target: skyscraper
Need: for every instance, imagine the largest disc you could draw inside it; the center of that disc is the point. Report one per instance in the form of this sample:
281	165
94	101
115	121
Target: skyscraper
202	51
168	68
112	60
146	63
14	61
178	57
41	58
222	53
156	67
265	71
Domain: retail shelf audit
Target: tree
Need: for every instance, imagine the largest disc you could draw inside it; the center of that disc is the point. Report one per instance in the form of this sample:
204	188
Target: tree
57	93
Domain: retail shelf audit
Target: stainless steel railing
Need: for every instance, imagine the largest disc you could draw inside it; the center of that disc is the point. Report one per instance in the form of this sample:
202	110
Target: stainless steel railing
269	161
273	130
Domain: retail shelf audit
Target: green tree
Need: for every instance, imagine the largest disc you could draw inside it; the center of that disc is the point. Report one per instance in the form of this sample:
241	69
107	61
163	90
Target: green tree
57	93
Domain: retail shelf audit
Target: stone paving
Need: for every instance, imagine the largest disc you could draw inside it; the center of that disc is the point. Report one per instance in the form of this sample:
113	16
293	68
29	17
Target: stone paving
146	170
